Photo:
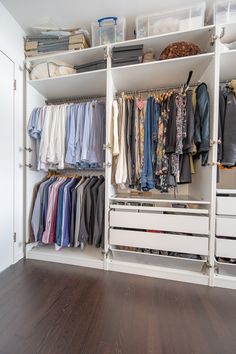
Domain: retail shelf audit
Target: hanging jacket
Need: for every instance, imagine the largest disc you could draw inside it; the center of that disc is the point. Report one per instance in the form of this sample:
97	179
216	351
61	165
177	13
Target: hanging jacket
202	123
229	131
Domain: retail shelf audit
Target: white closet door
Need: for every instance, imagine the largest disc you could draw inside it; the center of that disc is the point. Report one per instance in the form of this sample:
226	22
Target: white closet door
6	161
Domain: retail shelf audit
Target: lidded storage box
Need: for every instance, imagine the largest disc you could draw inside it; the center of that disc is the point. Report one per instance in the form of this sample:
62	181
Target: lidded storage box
225	12
171	21
108	30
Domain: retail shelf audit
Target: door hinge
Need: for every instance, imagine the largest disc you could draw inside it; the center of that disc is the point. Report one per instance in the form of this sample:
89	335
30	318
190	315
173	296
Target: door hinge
14	237
14	85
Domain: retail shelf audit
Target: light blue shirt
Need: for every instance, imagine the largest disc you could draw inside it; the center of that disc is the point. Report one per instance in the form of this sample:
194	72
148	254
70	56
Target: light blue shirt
70	157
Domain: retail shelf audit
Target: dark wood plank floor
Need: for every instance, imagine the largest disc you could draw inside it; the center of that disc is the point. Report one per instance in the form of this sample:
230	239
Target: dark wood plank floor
55	309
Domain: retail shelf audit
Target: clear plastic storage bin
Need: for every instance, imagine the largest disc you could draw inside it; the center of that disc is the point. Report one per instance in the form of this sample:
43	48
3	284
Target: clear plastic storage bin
108	30
225	12
173	21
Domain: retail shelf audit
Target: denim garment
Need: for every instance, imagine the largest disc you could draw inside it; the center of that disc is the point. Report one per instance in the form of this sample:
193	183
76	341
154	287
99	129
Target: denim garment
133	142
156	114
147	178
202	123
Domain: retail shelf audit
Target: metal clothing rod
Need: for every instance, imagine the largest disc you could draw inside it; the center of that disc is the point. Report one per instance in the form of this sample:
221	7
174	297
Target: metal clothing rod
119	93
74	99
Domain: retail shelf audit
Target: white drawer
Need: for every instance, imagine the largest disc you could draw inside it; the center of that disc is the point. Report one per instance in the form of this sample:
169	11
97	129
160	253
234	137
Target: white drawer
225	248
162	222
226	226
226	205
160	241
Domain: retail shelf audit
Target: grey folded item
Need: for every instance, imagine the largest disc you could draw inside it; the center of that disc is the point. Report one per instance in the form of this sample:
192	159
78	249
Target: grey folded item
53	48
96	65
38	37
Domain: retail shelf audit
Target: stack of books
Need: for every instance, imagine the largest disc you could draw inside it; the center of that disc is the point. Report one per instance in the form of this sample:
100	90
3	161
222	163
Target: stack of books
46	43
127	55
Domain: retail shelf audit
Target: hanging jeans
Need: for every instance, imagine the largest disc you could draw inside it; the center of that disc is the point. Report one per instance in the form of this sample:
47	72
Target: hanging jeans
150	142
156	113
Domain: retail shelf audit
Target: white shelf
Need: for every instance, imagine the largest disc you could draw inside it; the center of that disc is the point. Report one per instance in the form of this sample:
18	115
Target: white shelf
72	57
157	266
164	73
226	276
91	257
200	36
223	281
225	191
227	65
182	199
161	209
90	83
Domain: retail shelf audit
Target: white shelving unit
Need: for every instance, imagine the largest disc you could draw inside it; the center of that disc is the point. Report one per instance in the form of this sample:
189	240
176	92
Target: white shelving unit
164	73
226	60
189	230
91	83
225	240
91	257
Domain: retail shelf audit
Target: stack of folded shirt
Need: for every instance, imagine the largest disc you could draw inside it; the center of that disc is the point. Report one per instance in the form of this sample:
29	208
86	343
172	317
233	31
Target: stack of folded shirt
55	41
127	55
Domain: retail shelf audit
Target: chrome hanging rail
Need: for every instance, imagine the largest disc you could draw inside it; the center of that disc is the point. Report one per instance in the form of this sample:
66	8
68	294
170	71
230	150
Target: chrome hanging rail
74	100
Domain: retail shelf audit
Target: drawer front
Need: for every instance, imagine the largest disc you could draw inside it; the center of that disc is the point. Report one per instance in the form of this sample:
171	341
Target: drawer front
162	222
226	226
225	248
158	241
225	205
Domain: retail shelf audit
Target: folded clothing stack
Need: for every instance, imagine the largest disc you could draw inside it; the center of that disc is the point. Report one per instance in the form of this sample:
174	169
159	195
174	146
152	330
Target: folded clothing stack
127	55
55	41
95	65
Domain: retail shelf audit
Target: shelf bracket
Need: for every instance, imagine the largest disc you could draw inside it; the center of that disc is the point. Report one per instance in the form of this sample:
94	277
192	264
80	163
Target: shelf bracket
214	37
222	33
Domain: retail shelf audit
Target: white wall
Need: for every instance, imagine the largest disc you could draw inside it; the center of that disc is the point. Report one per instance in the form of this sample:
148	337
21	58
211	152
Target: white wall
12	44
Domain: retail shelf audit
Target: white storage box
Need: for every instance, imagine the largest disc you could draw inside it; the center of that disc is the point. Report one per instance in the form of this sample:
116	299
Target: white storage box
226	205
108	30
178	20
225	12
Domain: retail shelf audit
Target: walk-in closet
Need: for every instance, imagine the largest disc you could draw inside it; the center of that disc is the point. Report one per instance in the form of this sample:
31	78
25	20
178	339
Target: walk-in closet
128	148
118	177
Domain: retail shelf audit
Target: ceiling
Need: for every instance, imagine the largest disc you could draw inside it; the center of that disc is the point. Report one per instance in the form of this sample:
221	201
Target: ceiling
72	13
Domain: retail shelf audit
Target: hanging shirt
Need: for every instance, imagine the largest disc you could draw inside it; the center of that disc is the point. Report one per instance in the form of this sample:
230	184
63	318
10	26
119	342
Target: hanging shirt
80	191
80	119
37	214
70	157
97	135
121	170
52	205
60	214
44	143
66	215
